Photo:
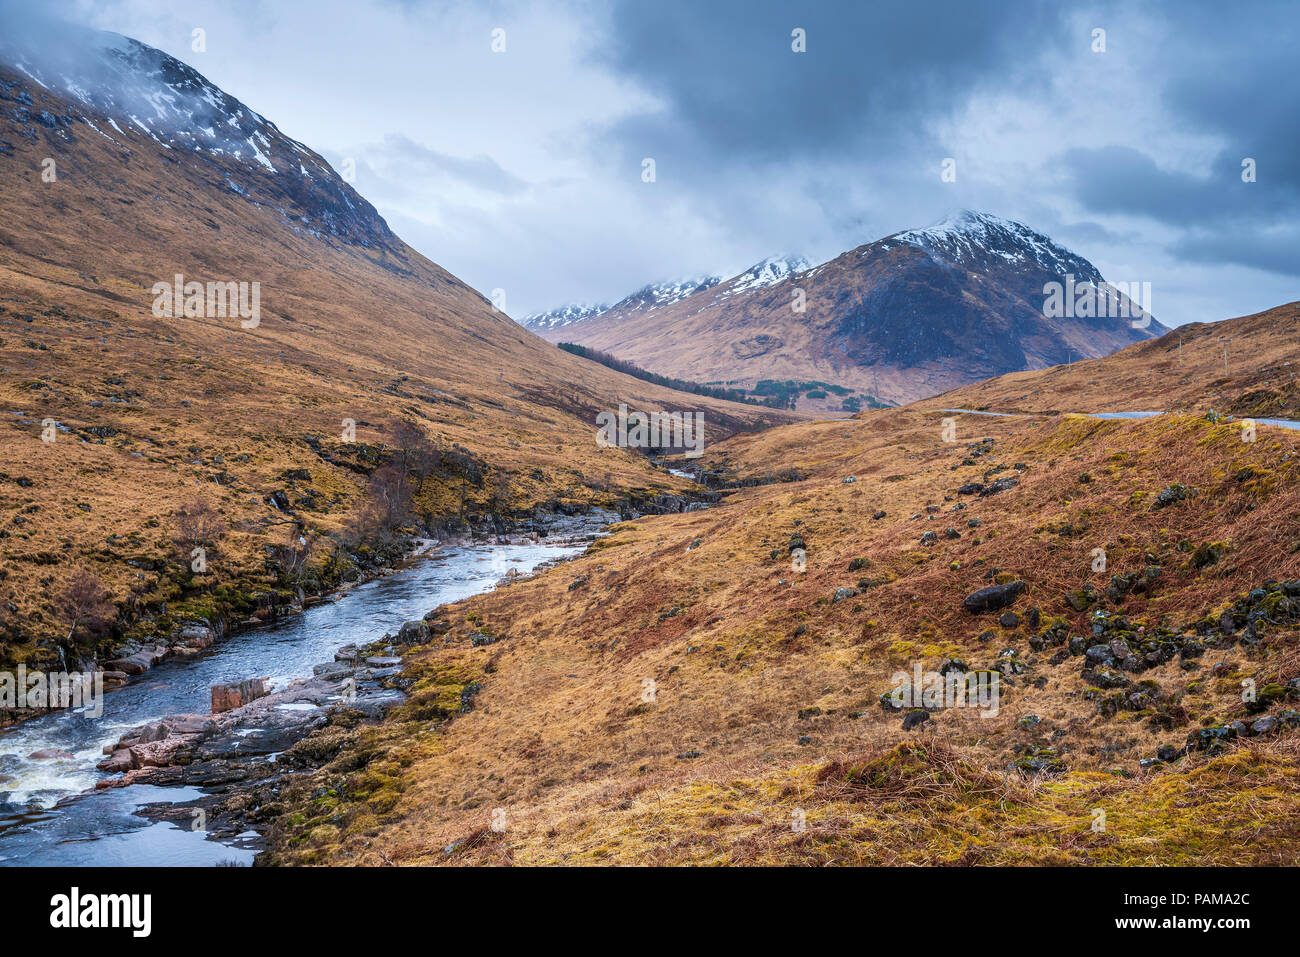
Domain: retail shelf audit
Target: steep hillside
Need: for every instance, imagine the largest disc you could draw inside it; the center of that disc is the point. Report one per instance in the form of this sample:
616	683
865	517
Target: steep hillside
898	319
718	686
121	168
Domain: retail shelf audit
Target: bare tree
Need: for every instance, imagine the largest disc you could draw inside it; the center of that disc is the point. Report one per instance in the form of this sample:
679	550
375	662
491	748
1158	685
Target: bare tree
84	601
198	524
390	497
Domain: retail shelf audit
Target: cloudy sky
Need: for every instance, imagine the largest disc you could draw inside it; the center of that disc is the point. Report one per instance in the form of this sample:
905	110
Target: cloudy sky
522	169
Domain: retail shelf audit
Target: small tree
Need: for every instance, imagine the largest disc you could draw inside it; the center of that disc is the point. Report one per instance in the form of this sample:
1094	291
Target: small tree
390	497
84	602
198	525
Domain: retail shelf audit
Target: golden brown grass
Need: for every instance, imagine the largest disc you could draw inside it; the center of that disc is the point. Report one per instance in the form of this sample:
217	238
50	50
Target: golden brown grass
715	764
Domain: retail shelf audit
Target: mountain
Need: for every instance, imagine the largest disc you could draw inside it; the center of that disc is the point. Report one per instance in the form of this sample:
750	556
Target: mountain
564	316
121	168
903	317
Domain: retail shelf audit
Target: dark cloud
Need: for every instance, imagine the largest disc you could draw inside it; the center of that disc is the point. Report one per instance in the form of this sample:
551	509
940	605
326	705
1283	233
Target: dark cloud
736	90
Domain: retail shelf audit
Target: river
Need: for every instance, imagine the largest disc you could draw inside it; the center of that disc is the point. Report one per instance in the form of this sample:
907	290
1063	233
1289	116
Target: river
51	816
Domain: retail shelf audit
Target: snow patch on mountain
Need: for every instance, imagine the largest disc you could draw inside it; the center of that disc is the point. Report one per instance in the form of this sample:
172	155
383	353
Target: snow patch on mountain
563	316
769	272
969	235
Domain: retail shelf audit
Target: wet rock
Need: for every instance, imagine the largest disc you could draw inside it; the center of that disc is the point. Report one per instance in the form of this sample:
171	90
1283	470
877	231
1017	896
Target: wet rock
994	597
227	697
49	754
117	763
346	653
332	668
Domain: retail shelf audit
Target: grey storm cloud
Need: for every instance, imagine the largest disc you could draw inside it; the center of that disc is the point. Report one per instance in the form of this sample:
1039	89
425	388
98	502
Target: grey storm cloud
734	88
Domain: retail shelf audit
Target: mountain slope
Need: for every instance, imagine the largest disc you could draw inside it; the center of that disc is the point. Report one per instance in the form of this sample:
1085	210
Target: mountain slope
904	317
101	199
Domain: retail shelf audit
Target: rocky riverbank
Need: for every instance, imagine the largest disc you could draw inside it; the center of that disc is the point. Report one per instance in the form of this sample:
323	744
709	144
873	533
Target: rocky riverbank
258	739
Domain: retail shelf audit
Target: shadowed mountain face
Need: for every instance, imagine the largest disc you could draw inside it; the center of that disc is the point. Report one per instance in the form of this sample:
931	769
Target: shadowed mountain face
900	318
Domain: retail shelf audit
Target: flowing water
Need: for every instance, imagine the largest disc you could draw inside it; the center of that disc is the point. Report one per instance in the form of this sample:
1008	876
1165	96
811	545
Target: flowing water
49	815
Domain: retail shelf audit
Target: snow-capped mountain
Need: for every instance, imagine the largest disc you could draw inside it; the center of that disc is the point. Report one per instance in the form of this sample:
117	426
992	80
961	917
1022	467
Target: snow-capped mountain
772	270
658	295
902	317
563	316
653	296
114	84
968	238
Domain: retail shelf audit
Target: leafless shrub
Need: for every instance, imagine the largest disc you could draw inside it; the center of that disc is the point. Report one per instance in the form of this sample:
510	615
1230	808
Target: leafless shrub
84	603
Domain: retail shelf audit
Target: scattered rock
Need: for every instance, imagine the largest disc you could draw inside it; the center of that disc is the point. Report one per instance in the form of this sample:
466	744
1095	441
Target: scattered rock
993	598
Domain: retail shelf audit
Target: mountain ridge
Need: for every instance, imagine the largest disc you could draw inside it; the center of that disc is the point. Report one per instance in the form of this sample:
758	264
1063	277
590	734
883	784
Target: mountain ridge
898	318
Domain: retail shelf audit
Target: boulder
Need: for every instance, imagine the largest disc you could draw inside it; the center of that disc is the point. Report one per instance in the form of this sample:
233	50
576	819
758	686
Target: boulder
914	718
48	754
413	633
136	664
993	598
117	763
193	636
236	694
